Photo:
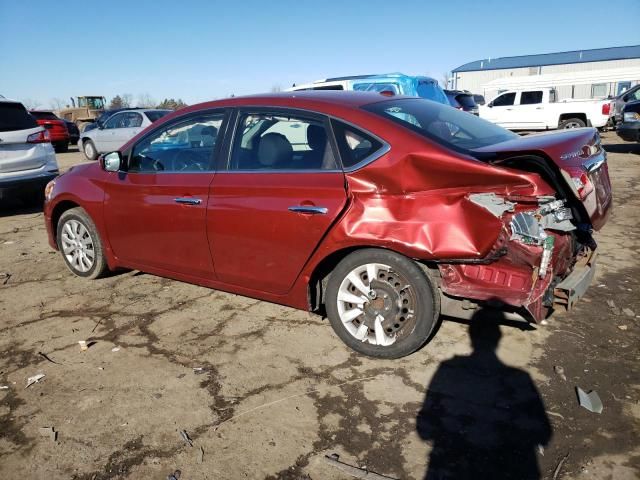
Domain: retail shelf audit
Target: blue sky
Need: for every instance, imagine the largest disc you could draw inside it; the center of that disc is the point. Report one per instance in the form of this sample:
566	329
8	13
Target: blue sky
201	50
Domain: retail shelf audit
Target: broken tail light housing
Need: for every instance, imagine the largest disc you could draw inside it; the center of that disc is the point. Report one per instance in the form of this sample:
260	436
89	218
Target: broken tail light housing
583	185
39	137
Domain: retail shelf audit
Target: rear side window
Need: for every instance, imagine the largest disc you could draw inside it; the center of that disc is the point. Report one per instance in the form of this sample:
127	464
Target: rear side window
355	145
155	115
13	116
465	100
531	98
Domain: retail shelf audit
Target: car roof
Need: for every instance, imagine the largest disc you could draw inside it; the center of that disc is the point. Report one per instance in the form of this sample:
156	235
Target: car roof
302	99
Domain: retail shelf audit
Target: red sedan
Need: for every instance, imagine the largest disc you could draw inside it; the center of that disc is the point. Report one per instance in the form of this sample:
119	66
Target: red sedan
56	126
382	211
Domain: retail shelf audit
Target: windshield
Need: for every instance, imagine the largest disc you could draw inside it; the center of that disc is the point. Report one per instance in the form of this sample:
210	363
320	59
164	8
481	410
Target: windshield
95	103
430	90
154	115
445	125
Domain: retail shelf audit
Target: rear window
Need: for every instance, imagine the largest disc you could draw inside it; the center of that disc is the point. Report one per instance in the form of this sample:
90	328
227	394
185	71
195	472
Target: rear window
447	126
466	100
13	116
44	116
155	115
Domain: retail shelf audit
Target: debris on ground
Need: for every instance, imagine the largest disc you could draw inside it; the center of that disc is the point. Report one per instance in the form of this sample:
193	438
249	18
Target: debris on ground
556	472
628	312
47	358
35	379
560	372
5	276
591	401
622	327
83	345
115	349
175	475
614	309
49	432
356	472
4	387
186	438
541	450
200	458
198	370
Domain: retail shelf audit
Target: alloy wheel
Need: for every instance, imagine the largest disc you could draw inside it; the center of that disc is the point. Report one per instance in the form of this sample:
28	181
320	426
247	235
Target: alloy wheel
77	246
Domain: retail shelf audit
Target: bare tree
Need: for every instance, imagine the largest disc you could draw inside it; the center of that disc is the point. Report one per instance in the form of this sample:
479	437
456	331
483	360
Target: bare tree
30	103
145	100
126	99
56	103
276	88
446	78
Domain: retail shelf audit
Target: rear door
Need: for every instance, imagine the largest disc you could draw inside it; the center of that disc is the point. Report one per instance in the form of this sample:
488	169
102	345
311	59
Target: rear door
16	154
274	199
531	110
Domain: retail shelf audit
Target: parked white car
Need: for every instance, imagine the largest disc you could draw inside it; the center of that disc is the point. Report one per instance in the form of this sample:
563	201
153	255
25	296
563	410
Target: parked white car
117	131
27	159
537	109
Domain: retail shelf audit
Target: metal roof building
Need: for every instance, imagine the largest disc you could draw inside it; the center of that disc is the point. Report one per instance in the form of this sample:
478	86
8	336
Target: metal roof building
475	76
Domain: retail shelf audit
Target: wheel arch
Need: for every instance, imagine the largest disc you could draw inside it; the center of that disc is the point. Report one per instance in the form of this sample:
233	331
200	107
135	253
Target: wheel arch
57	212
566	116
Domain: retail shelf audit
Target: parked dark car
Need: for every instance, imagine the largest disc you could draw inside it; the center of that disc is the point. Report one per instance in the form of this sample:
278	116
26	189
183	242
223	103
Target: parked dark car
104	116
629	128
479	99
382	211
462	101
631	95
74	132
57	128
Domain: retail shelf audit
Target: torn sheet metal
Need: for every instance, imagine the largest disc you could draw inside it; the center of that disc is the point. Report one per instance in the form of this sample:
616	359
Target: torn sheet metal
492	202
591	401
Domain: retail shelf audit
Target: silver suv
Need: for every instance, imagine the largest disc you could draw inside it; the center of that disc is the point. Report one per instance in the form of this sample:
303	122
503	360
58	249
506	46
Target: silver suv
27	159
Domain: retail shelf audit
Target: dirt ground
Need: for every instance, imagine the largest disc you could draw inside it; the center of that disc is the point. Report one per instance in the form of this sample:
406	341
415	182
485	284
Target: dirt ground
264	391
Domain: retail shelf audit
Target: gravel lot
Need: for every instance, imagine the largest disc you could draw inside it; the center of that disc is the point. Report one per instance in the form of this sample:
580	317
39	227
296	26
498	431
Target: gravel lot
267	391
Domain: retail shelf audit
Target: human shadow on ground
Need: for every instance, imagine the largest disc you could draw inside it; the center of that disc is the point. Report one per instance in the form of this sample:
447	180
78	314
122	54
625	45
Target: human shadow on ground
484	419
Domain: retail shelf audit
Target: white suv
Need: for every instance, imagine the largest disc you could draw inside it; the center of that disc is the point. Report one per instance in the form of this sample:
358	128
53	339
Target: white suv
27	159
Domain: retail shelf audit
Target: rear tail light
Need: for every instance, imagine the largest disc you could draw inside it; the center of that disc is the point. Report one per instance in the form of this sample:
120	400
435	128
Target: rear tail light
39	137
583	185
606	109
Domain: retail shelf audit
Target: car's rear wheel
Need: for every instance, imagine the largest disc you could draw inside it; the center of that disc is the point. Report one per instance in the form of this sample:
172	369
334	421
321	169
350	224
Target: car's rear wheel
80	244
89	150
572	123
381	303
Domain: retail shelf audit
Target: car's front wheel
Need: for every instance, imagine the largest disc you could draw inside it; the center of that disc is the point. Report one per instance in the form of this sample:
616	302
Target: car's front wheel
381	303
89	150
80	244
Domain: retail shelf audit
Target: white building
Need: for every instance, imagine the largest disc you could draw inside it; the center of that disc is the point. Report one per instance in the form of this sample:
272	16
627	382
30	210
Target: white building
598	73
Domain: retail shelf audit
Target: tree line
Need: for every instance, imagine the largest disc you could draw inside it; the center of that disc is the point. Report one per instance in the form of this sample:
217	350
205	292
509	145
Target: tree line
126	101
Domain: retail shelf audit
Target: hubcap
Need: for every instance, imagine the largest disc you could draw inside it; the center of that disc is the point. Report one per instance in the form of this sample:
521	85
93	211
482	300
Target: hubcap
376	304
572	125
89	149
77	246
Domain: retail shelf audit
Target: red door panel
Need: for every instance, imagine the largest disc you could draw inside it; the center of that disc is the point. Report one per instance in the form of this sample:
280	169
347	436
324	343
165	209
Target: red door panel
256	241
158	220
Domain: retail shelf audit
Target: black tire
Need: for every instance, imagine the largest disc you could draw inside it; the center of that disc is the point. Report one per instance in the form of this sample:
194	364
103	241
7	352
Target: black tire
99	266
62	147
572	123
89	150
423	294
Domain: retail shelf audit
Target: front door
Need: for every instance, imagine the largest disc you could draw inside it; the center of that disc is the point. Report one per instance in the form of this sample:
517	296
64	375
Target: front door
156	210
501	110
276	198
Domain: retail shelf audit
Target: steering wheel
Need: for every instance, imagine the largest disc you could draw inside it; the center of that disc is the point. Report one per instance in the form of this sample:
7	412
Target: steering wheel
187	160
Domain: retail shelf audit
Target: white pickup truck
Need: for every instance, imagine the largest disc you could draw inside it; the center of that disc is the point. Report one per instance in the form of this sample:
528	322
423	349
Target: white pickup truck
537	109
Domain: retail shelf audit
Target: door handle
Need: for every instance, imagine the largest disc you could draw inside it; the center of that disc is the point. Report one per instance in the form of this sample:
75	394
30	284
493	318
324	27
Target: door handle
309	209
188	201
538	108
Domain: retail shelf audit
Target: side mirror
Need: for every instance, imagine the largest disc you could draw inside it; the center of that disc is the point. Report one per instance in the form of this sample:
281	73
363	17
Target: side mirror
490	104
111	162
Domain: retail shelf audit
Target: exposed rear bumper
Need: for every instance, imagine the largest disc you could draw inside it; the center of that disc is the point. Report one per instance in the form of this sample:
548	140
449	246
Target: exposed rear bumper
36	182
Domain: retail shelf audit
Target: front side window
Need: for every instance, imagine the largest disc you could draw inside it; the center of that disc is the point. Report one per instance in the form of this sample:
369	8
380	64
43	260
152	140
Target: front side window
132	120
531	98
116	121
278	141
450	127
187	146
504	100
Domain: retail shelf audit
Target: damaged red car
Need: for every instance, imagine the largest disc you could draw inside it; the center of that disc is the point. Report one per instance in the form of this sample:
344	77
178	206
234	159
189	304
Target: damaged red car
383	212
